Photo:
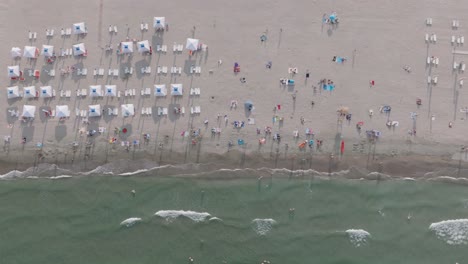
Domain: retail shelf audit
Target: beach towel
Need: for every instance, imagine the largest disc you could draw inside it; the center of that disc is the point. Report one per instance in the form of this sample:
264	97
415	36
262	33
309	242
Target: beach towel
328	87
279	107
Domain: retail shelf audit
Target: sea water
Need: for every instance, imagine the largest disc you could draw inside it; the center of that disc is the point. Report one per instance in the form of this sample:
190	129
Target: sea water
168	220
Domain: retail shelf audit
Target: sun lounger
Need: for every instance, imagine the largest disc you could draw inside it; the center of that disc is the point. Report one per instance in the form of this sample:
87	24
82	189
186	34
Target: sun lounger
68	33
197	109
453	39
160	111
143	110
462	40
455	65
149	110
181	47
463	67
142	27
111	29
133	92
182	110
51	33
116	111
148	69
78	93
101	72
429	60
51	73
62	93
146	26
434	80
62	32
427	38
436	61
434	38
159	69
34	35
174	47
131	70
115	29
95	72
84	92
165	111
148	91
111	72
77	112
164	48
429	21
68	93
164	69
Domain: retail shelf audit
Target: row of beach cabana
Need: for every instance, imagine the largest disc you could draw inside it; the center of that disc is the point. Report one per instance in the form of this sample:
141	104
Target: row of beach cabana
63	111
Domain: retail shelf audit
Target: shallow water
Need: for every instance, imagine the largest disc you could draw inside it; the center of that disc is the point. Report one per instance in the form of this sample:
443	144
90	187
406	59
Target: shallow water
78	220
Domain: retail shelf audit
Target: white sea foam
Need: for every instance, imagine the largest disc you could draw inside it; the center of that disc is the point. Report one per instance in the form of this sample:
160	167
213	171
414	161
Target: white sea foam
358	237
215	219
60	177
130	221
171	215
133	173
409	179
454	232
263	226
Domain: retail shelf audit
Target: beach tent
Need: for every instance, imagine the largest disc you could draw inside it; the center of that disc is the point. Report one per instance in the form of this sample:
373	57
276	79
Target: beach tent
128	110
160	90
143	46
94	110
79	49
176	89
30	52
46	91
29	92
29	111
13	92
79	28
62	111
126	47
159	22
13	71
111	90
15	52
95	90
192	44
47	50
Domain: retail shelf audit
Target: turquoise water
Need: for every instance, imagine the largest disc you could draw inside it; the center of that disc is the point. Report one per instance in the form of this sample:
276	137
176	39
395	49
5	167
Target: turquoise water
78	221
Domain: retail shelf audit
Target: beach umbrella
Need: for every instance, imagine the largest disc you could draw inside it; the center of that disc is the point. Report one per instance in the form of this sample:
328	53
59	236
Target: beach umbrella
343	110
128	110
13	92
29	92
94	110
46	91
160	90
95	90
29	111
143	46
79	28
15	52
333	17
248	104
126	47
192	44
176	89
47	50
30	52
13	71
111	90
62	111
79	49
159	22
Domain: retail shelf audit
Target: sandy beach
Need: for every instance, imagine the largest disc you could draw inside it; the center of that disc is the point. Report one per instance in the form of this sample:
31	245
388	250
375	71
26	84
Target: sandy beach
385	64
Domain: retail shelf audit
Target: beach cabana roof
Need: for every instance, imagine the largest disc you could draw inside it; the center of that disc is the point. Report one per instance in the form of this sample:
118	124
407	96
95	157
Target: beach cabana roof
143	46
126	47
29	92
13	92
29	111
79	49
128	110
159	22
94	110
15	52
79	28
95	90
46	91
30	52
192	44
111	90
176	89
13	71
47	50
62	111
160	90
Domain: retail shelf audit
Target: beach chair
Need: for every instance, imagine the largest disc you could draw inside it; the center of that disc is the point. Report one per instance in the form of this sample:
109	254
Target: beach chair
181	47
192	110
115	29
434	80
84	92
164	48
455	65
462	40
62	93
159	69
116	111
462	68
174	47
429	60
51	33
101	72
148	70
52	114
427	38
146	26
142	92
62	32
165	111
95	72
160	111
68	33
84	72
68	93
428	21
111	72
173	69
77	112
453	40
78	93
131	70
434	38
182	110
143	110
118	94
164	69
142	27
34	35
436	61
197	109
148	91
111	29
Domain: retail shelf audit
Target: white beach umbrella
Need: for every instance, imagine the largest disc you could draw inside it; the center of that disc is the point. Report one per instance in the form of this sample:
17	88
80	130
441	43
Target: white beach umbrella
160	90
15	52
95	90
13	92
30	52
94	110
111	90
143	46
176	89
46	91
29	111
79	28
159	22
29	92
79	49
13	71
62	111
128	110
192	44
47	50
126	47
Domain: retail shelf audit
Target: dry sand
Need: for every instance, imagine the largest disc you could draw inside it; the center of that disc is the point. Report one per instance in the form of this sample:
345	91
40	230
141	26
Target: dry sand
378	38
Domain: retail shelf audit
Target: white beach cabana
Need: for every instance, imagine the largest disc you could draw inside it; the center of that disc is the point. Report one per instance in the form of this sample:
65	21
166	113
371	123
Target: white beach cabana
143	46
29	111
111	90
128	110
79	28
94	110
13	71
62	111
192	44
29	92
30	52
79	49
95	90
15	52
160	90
47	50
46	91
126	47
159	22
13	92
176	89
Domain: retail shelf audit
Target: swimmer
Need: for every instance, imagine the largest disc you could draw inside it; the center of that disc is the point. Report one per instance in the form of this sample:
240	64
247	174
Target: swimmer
133	193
